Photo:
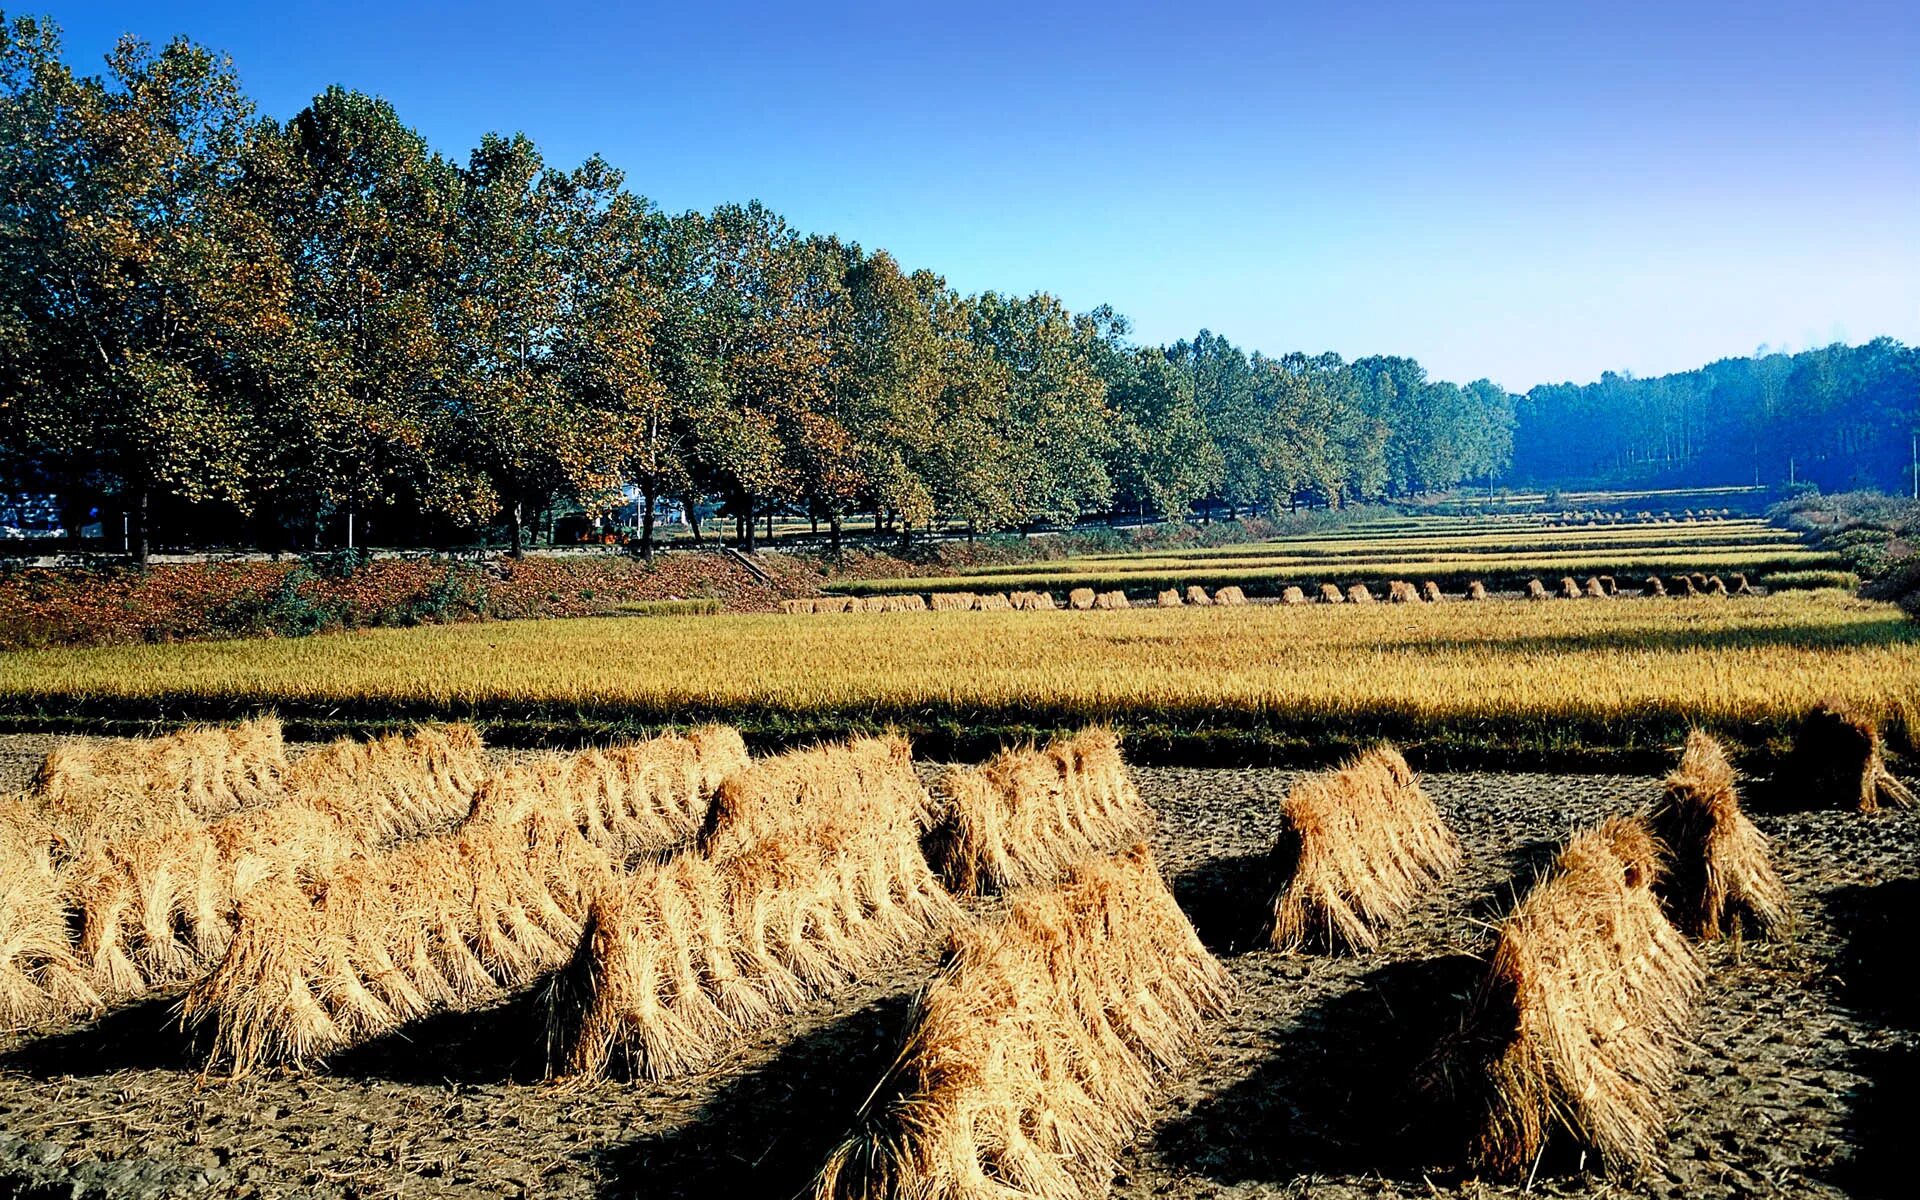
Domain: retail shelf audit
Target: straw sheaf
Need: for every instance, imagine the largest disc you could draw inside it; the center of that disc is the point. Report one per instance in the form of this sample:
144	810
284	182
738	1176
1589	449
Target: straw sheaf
93	791
1357	847
1719	877
1229	595
40	976
1839	761
1029	814
791	792
397	786
1033	1059
1579	1022
682	960
1197	595
1331	594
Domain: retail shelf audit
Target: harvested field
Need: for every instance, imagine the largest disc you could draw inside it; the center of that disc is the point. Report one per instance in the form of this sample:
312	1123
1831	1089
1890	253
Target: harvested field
1792	1085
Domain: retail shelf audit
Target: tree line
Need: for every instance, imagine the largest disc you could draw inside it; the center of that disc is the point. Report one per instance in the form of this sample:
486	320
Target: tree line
239	329
1839	417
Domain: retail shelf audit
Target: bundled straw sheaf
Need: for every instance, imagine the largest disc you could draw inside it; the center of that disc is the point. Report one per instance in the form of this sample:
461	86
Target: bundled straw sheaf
1331	594
456	920
1580	1019
1230	595
1718	875
1033	1059
1839	761
1029	814
40	976
681	960
95	790
1357	846
1292	594
792	792
396	786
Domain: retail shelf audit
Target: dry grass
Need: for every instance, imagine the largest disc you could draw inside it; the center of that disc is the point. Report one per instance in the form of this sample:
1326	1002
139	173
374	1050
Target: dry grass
1595	590
40	976
683	959
1169	598
1568	590
1476	590
1654	586
97	790
395	786
992	602
1357	846
1331	594
1719	879
1197	595
1399	591
1579	1021
1033	1058
1537	590
1838	760
1029	814
951	601
778	796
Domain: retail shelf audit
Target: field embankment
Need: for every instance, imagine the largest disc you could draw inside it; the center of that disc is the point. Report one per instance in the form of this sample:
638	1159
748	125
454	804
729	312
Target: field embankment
1616	682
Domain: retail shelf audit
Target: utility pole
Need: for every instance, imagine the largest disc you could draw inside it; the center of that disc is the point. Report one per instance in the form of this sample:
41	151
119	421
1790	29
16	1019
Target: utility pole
1916	464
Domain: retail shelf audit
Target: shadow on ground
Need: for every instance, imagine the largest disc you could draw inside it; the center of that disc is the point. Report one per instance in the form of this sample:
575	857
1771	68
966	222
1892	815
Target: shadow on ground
765	1134
1335	1095
1873	974
1228	899
140	1037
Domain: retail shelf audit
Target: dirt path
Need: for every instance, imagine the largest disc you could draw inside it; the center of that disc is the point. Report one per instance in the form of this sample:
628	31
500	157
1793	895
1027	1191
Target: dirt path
1805	1052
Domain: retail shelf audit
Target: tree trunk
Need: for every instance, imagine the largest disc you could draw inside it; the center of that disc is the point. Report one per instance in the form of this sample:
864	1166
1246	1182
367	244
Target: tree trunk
517	544
769	524
833	530
693	519
646	521
746	523
142	512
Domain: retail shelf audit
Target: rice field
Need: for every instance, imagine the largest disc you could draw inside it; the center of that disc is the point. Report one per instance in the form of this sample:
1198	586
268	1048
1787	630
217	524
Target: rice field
1502	553
1502	682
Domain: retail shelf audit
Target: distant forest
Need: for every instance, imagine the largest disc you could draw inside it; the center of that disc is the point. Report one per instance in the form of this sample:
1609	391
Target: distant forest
222	329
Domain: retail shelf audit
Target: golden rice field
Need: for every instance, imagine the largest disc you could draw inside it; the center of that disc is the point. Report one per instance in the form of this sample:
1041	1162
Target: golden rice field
1501	553
1507	679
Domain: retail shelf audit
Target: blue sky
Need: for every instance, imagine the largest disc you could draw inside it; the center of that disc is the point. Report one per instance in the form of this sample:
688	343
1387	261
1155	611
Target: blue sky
1529	192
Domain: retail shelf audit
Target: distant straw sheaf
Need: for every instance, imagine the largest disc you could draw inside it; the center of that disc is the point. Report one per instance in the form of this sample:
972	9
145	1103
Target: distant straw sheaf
1029	814
1719	878
1357	847
1839	761
680	961
452	921
1578	1023
1033	1059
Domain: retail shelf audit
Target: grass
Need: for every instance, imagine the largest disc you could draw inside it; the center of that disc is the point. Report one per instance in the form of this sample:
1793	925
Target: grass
1574	682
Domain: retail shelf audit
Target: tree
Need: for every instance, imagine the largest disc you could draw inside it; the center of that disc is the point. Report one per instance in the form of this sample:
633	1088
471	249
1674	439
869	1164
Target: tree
138	285
1164	457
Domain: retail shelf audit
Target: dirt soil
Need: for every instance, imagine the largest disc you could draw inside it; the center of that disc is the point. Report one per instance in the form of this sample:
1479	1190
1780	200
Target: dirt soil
1804	1063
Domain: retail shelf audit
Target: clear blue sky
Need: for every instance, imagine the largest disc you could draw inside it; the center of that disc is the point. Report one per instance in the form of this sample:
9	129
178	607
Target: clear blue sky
1531	191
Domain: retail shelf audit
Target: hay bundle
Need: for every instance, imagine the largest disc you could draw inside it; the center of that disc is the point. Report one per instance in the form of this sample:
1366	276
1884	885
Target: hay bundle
911	602
1292	595
1169	598
952	601
681	960
1029	814
1537	590
1580	1018
1611	585
1080	599
873	604
1595	590
1331	594
1476	590
1030	601
1716	586
1654	586
1718	875
1699	579
1839	761
1684	586
1399	591
1741	587
1197	595
1357	847
793	791
1033	1058
635	798
1358	594
796	606
1569	590
1110	600
1430	592
40	976
396	786
1229	595
96	790
992	602
451	922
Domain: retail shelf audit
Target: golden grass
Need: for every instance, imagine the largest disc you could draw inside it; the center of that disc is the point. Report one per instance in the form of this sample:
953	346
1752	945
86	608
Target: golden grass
1580	1019
682	960
1032	1060
1738	663
1357	846
1718	878
1028	814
